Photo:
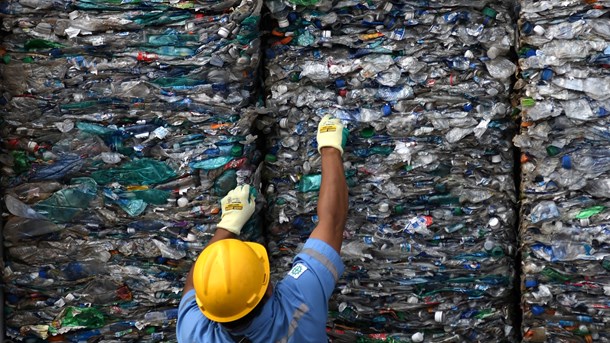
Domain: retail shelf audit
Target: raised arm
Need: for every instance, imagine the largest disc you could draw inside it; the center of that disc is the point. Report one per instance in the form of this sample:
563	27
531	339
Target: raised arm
333	197
237	207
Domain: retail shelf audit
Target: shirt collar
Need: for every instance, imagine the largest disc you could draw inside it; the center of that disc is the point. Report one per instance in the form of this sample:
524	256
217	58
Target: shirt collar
261	322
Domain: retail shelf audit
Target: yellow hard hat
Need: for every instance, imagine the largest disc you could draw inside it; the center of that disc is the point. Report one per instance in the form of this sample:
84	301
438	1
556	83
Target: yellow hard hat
230	279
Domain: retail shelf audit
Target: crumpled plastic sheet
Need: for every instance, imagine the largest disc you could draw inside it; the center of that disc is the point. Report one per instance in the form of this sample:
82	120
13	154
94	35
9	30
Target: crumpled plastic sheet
564	91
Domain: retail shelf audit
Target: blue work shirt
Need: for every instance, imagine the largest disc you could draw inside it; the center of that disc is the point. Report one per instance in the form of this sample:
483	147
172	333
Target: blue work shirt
296	312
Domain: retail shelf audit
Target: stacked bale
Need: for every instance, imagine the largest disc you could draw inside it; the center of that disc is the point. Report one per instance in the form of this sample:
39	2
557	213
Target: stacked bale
424	90
564	90
123	125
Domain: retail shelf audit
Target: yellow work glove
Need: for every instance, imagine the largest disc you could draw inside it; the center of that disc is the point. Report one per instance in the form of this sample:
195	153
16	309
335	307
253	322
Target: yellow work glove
331	133
237	207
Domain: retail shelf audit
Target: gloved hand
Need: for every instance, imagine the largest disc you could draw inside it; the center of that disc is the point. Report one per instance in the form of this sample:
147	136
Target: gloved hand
331	133
237	207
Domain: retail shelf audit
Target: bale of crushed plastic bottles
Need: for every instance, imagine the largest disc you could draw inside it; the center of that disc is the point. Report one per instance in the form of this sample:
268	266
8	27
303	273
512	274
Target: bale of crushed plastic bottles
122	125
564	92
424	90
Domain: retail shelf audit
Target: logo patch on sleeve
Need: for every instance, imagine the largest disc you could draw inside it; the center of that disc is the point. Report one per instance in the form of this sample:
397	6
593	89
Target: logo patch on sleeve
297	270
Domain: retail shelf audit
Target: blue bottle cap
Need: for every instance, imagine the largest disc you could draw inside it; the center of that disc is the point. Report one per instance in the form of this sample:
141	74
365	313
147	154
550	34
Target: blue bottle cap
387	109
467	107
566	162
43	274
340	83
318	23
537	310
527	28
530	53
55	52
546	74
293	16
602	112
530	283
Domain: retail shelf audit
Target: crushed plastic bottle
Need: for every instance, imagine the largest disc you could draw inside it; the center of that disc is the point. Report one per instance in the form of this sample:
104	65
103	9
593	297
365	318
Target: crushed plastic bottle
123	124
563	84
424	90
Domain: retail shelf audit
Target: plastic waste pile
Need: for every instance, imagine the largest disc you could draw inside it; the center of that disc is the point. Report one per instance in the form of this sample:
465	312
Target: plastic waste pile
424	90
564	89
122	126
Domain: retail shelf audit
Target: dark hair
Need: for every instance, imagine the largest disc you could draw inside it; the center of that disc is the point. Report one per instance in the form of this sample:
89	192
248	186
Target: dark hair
244	321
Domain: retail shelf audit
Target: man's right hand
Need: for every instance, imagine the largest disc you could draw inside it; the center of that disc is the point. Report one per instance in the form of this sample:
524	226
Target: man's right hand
331	133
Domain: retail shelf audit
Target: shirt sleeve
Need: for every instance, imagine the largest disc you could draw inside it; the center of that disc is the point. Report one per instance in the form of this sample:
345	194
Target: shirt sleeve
323	261
191	322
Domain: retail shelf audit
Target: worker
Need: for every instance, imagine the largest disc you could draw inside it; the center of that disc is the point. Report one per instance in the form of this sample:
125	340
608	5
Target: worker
228	296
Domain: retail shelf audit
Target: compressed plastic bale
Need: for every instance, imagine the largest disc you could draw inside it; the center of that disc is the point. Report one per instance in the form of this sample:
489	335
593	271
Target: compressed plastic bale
430	241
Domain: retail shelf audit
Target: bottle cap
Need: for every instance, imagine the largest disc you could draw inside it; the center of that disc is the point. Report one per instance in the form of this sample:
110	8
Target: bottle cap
182	202
527	27
387	7
539	30
340	83
494	223
224	32
384	207
409	15
367	132
546	74
306	167
326	34
537	310
270	188
270	158
493	52
439	316
469	54
284	123
490	12
566	162
488	245
387	109
237	150
496	159
283	23
417	337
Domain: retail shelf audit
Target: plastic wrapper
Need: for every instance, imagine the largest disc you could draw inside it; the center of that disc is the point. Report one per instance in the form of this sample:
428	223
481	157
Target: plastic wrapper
424	90
564	100
122	127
